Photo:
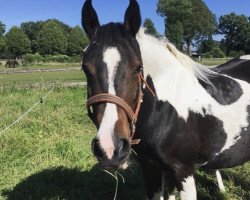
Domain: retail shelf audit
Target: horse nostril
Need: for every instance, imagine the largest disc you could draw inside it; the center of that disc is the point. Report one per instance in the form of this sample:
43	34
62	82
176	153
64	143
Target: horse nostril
96	149
123	148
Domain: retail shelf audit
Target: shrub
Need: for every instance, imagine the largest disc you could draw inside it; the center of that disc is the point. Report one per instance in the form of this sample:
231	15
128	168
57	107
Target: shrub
75	59
32	58
218	53
37	58
208	55
57	58
215	53
234	54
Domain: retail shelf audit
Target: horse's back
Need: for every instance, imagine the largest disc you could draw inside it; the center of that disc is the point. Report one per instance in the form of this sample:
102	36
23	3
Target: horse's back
237	68
234	131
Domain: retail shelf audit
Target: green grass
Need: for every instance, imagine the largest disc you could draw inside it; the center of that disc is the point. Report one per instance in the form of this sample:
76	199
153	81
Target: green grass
42	66
22	79
47	156
214	61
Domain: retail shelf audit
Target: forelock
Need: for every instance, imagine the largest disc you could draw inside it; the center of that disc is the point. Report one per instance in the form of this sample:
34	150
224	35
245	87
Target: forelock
114	35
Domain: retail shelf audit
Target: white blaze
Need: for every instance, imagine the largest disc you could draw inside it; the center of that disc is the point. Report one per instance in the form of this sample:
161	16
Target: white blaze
111	57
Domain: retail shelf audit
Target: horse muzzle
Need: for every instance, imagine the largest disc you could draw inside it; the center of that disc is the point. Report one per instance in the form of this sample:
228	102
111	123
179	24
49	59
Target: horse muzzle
114	157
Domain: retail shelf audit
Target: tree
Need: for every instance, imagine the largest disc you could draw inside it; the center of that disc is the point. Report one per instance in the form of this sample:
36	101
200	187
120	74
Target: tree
3	46
175	34
192	18
247	49
208	45
65	28
2	28
17	42
174	30
77	41
32	29
2	41
216	52
51	39
150	27
236	32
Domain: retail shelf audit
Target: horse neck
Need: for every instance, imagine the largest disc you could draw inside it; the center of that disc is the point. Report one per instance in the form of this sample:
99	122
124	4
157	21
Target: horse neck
173	82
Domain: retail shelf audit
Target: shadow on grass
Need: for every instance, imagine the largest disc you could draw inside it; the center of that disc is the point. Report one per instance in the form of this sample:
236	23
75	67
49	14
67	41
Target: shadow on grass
72	184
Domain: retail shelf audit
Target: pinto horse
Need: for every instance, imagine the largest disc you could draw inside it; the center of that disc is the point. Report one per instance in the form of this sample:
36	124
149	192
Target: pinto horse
142	90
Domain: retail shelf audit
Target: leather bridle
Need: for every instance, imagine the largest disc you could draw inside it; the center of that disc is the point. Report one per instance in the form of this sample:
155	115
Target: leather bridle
110	98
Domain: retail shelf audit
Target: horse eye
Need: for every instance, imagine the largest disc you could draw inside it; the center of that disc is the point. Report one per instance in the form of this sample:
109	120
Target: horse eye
84	67
138	70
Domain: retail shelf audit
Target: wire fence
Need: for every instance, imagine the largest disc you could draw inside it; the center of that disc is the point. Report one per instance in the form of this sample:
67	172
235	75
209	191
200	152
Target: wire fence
40	101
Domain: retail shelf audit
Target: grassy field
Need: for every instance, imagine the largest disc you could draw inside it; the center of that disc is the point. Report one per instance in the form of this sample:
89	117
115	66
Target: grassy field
205	61
214	61
14	80
47	155
41	66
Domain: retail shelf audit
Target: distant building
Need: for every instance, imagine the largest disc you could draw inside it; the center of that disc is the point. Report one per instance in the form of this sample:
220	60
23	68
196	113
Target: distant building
197	56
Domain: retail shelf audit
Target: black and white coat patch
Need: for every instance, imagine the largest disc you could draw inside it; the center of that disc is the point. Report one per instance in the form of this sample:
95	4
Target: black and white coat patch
223	100
198	117
194	120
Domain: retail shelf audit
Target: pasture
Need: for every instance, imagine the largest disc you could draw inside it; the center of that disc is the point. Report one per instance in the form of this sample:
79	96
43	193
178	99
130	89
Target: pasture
43	78
214	61
47	156
42	65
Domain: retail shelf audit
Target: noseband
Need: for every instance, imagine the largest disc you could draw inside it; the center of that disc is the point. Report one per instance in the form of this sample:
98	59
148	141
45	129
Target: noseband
110	98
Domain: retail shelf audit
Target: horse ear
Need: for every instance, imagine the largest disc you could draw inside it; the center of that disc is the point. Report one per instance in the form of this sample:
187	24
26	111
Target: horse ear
90	22
132	21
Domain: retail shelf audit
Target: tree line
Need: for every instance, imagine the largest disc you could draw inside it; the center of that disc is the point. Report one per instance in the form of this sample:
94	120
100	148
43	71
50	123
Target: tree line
50	37
188	23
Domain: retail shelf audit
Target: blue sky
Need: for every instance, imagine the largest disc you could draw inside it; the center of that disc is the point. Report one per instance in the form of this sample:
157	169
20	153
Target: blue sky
14	12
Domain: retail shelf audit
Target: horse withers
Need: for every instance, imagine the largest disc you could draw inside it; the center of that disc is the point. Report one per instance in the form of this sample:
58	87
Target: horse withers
198	117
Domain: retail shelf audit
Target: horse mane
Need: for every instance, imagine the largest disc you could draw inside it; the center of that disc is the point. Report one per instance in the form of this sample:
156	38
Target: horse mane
200	71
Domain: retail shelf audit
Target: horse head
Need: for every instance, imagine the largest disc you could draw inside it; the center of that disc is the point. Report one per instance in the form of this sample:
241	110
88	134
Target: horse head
113	67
